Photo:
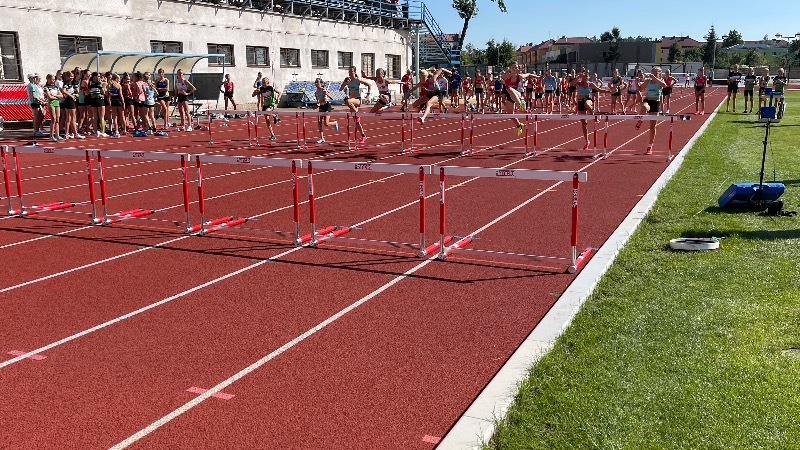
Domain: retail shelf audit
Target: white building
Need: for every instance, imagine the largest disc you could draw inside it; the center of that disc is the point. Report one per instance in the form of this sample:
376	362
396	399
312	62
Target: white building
256	36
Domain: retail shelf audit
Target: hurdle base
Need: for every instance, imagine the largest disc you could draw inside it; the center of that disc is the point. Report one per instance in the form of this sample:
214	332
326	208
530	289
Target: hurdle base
461	243
228	224
124	215
434	247
307	238
581	259
54	206
333	232
200	228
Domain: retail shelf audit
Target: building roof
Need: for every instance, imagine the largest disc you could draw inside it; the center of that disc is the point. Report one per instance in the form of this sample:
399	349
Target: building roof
563	40
526	48
756	45
685	41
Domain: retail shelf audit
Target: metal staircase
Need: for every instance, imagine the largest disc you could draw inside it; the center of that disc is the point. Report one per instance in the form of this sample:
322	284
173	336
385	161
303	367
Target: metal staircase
434	50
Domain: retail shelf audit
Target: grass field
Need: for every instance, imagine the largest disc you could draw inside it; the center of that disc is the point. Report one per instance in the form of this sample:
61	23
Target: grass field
685	349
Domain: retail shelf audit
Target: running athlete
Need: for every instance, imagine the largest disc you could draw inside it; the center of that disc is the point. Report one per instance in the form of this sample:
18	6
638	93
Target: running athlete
670	81
162	96
428	90
633	92
651	87
406	82
183	89
530	86
749	87
700	92
227	91
115	99
733	86
584	88
616	86
267	98
322	95
353	85
382	83
511	96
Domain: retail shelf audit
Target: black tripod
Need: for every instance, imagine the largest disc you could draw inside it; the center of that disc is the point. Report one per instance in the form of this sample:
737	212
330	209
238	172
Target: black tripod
759	196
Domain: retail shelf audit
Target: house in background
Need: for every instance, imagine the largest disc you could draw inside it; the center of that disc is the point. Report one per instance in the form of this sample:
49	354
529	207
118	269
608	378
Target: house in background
663	46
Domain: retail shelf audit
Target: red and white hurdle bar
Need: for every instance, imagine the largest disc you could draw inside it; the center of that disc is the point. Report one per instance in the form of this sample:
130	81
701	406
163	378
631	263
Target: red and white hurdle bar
24	211
330	232
446	250
211	226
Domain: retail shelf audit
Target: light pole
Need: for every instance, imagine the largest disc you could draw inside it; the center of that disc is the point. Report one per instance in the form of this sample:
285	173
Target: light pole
714	56
788	52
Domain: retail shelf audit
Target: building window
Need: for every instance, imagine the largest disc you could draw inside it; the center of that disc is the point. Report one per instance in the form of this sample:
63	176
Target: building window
257	56
166	47
290	57
368	63
68	45
9	54
319	59
225	49
345	60
393	66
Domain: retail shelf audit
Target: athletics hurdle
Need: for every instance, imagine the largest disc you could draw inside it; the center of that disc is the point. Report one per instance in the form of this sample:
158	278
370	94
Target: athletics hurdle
645	118
211	226
445	250
52	206
330	232
108	219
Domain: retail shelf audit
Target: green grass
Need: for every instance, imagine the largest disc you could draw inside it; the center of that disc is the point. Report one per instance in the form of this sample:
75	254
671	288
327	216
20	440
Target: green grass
679	350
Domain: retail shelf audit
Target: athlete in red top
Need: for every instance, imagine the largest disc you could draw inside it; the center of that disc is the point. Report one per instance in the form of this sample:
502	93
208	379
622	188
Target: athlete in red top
510	95
700	92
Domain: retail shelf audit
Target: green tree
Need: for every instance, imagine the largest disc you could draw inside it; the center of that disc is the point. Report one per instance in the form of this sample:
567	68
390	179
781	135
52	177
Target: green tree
753	58
675	53
471	55
794	51
467	10
710	49
693	54
610	36
501	54
734	38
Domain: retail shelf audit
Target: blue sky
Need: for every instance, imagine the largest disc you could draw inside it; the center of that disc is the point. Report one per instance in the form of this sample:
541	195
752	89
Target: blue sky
535	21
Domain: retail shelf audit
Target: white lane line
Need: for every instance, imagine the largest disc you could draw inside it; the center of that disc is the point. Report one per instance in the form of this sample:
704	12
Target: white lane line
144	308
46	237
274	354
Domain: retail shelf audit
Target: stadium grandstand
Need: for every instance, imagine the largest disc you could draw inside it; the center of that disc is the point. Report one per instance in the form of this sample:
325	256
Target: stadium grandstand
291	42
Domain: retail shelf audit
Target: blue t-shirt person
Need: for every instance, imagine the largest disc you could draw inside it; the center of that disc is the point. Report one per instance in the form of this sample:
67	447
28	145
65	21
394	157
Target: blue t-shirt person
455	81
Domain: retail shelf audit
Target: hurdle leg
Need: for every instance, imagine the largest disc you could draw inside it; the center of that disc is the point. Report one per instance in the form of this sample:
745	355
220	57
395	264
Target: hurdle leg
669	146
305	142
348	132
296	204
249	136
297	129
442	186
255	116
210	138
403	134
527	121
471	132
312	213
200	197
90	179
411	145
577	260
605	140
422	251
463	121
185	182
18	180
101	168
7	184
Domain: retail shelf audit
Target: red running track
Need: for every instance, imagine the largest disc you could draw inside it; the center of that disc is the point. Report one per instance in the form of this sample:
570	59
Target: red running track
342	346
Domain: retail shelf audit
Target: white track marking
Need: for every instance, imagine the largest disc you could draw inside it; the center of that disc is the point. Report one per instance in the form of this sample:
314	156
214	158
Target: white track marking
46	237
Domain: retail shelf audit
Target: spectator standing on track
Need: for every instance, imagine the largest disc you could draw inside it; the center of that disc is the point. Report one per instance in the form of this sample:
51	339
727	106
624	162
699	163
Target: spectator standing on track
322	95
667	92
406	82
700	92
258	82
227	91
480	89
763	83
127	96
69	106
353	85
455	86
749	87
651	88
183	89
117	106
36	101
52	95
162	96
149	106
633	92
98	104
734	76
